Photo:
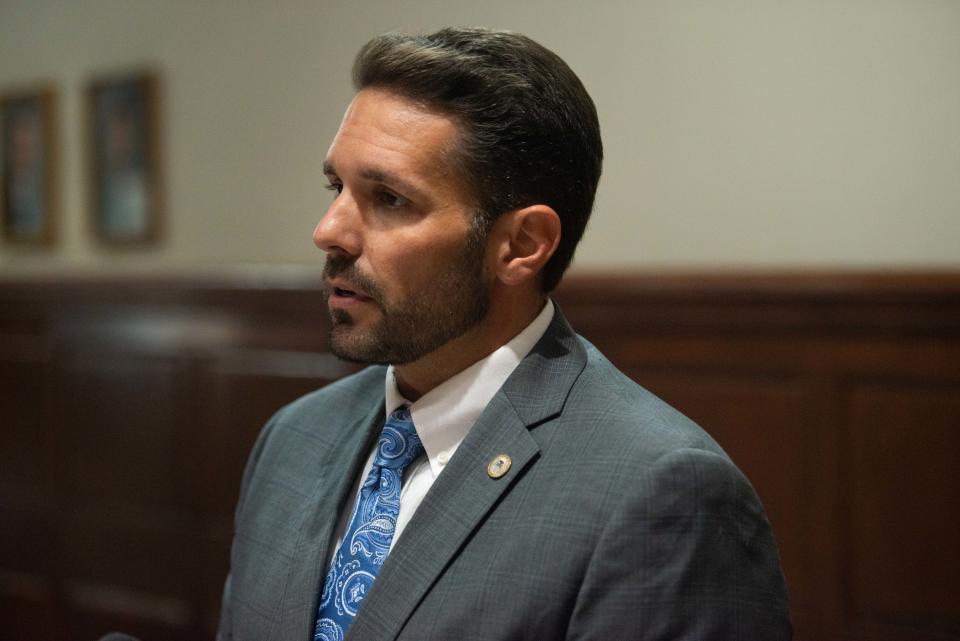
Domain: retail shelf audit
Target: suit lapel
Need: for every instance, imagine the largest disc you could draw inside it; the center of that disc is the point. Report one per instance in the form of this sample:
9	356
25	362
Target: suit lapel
339	464
464	493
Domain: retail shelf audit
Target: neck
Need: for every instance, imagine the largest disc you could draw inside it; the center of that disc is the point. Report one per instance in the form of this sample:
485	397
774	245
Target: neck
504	321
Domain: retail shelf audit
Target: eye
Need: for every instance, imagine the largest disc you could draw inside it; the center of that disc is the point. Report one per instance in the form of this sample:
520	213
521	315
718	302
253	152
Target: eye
390	200
334	186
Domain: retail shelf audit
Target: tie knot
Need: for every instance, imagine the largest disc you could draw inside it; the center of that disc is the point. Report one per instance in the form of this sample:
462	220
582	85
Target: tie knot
399	443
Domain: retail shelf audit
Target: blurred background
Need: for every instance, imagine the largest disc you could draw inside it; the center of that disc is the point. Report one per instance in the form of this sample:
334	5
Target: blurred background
775	249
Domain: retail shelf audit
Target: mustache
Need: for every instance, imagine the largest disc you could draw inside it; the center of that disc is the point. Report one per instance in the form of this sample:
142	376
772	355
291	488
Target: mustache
339	266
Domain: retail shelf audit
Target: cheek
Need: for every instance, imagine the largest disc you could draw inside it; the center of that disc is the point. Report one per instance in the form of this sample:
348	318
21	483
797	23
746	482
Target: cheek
402	270
406	264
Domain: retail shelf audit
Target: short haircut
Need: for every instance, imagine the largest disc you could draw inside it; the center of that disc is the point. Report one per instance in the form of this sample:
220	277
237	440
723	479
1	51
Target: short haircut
529	132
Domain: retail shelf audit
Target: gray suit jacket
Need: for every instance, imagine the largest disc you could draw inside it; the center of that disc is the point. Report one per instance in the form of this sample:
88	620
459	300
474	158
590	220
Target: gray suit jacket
619	519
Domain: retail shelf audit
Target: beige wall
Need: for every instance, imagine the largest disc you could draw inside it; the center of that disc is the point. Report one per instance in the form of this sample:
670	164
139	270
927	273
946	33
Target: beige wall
758	134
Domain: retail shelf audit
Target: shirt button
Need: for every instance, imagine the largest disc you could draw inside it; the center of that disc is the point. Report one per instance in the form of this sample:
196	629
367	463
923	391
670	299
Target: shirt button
443	458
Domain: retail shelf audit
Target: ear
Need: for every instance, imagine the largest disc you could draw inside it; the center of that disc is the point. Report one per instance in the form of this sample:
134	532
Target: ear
526	239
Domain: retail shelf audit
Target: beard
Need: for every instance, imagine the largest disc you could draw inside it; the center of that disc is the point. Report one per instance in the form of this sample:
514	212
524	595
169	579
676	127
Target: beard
447	307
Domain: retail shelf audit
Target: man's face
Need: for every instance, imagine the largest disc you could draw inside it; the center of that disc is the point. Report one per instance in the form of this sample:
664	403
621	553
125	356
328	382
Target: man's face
405	265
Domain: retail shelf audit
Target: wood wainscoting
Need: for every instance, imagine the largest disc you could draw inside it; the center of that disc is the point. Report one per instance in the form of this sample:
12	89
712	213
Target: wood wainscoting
128	406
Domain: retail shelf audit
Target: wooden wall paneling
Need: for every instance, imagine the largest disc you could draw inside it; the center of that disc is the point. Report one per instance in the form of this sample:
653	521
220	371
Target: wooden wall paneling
29	597
119	577
764	424
241	389
95	609
820	612
126	527
677	334
123	418
752	389
772	416
26	462
117	496
28	608
902	459
28	594
24	440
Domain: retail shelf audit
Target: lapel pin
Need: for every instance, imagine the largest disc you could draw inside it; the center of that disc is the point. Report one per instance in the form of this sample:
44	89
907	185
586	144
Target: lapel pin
499	465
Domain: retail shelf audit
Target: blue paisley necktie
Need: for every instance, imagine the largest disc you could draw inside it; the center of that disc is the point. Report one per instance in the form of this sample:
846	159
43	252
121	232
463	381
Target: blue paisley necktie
367	539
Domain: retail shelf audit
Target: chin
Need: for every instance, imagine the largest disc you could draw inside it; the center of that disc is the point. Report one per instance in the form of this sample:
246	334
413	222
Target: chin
349	343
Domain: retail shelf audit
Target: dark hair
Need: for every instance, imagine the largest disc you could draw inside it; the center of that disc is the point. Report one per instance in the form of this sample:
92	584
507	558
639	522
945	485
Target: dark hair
529	130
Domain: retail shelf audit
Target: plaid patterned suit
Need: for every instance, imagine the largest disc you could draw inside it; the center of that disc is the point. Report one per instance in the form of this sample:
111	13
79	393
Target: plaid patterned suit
618	519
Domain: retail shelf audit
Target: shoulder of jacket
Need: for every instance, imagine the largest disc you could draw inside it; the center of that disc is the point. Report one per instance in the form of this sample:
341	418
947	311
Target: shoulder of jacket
633	418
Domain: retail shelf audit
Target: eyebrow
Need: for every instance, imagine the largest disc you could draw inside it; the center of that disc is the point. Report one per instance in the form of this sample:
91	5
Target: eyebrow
379	175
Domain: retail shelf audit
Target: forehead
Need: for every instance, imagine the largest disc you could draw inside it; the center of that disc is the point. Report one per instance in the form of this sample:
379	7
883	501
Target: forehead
387	129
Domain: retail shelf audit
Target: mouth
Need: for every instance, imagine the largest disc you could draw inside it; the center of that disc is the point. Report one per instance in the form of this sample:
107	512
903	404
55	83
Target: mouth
342	294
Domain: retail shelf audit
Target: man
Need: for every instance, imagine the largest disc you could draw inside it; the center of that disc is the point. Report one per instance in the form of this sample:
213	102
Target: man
492	476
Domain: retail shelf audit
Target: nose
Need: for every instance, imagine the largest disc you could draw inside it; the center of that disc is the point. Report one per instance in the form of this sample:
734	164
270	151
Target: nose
339	229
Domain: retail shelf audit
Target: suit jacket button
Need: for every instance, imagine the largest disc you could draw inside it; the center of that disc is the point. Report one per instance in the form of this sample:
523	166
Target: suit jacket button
499	465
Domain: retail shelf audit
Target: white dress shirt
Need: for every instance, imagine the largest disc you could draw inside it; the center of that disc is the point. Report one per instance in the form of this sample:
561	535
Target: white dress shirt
444	415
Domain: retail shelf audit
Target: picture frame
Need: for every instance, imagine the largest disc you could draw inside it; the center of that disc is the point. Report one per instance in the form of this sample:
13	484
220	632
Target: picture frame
28	163
124	157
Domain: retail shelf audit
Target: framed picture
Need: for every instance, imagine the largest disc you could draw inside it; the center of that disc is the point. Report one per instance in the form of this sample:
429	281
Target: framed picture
28	202
126	200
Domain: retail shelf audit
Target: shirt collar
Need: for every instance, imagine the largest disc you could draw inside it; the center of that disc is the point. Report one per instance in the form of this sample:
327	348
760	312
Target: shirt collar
445	414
